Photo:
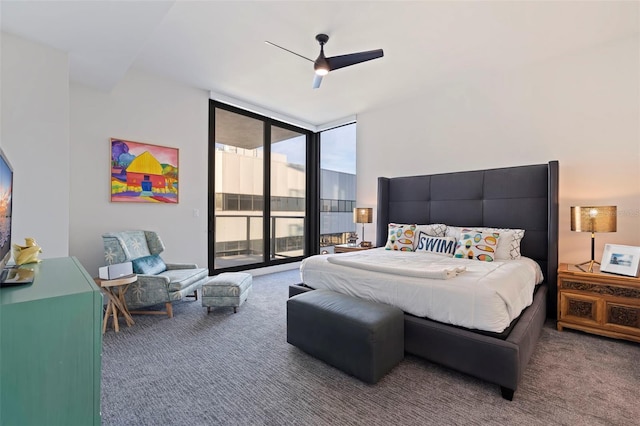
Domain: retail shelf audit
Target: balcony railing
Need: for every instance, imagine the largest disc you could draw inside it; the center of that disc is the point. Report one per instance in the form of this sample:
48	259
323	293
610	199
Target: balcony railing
247	248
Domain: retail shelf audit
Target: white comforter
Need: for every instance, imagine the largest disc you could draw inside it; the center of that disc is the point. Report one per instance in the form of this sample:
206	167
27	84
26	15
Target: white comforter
486	296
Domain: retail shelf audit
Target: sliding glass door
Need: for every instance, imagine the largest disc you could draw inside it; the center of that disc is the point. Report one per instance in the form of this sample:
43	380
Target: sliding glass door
253	159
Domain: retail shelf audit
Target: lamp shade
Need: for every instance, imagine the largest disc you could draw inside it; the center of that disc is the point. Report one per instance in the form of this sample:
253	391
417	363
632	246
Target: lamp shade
363	215
594	218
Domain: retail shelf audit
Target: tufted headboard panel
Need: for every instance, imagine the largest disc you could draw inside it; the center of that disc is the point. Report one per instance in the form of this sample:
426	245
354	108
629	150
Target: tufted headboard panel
524	197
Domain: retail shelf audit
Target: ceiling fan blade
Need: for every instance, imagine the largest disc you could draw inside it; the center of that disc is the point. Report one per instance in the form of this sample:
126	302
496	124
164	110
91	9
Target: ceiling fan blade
317	79
337	62
290	51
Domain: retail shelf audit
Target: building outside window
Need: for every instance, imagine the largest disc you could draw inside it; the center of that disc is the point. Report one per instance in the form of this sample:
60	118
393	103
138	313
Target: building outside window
337	184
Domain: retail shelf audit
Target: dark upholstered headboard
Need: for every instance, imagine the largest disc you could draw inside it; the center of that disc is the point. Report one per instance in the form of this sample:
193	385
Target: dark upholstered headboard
523	197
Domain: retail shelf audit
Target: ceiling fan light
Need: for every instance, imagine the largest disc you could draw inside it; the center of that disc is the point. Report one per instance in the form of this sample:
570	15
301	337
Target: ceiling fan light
321	65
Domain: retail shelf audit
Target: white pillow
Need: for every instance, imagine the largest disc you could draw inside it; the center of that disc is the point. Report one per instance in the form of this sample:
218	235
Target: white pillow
439	245
508	243
511	239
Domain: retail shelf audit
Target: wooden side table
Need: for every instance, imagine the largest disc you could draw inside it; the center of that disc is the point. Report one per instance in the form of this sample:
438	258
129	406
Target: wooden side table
345	248
598	302
115	291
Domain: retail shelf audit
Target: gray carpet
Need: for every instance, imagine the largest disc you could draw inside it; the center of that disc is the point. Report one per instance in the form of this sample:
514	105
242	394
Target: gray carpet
238	369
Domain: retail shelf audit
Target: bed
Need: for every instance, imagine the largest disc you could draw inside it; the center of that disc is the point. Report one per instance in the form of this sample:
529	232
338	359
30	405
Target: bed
524	197
484	296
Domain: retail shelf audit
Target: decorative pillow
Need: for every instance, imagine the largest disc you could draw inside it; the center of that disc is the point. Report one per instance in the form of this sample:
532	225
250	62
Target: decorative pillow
477	245
433	229
508	245
149	265
438	245
400	237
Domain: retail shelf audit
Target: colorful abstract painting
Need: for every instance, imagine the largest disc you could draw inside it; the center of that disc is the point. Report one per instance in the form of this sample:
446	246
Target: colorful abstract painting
143	173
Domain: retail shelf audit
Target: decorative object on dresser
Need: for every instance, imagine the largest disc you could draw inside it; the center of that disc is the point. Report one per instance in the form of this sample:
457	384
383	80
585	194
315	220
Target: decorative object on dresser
363	215
594	302
346	248
28	253
623	260
593	219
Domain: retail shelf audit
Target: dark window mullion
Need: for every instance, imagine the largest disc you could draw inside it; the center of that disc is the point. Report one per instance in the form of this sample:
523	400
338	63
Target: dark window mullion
266	223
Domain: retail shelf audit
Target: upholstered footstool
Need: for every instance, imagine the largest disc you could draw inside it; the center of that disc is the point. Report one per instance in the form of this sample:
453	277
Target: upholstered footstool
360	337
229	289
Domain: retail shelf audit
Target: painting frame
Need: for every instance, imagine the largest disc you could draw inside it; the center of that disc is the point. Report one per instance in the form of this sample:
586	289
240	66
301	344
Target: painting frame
621	260
143	173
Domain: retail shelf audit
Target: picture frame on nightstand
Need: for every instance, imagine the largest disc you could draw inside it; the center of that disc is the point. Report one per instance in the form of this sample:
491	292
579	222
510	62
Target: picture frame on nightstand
622	260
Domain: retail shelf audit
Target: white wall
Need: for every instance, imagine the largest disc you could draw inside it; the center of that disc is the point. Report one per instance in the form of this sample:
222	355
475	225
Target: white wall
34	82
149	109
582	109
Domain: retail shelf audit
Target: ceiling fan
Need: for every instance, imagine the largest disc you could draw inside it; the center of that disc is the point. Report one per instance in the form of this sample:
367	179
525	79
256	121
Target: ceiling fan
322	65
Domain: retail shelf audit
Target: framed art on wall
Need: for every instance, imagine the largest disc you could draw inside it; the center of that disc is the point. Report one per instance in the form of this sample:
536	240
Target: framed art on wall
619	259
143	173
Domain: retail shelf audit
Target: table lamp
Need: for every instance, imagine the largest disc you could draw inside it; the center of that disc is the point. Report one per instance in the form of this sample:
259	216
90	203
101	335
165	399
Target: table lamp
363	215
593	219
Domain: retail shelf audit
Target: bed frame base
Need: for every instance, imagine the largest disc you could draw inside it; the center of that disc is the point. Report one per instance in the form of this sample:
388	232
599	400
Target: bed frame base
497	361
507	393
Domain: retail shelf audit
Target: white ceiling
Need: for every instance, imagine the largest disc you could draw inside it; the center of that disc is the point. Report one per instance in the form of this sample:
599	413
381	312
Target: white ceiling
219	45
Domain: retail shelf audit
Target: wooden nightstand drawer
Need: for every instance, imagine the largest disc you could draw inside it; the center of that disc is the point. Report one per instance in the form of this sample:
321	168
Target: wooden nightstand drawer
622	317
580	308
599	303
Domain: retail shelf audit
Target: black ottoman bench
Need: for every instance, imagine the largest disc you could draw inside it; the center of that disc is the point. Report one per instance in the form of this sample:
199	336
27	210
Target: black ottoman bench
361	338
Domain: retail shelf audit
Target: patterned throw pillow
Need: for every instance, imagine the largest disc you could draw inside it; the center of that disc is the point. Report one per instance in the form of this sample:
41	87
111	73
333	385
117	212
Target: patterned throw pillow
438	245
477	245
400	237
508	245
433	229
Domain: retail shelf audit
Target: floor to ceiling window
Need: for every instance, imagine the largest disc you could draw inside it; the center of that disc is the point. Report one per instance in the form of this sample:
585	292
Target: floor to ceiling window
288	192
337	184
254	159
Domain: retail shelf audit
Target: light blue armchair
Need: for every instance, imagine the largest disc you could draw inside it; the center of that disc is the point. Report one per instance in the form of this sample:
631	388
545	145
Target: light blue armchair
157	282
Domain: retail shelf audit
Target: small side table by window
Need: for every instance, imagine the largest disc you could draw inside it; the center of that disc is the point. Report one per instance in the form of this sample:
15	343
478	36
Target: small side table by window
345	248
115	291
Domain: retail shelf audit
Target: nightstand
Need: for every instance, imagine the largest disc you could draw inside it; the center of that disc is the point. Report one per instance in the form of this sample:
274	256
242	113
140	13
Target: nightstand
599	303
345	248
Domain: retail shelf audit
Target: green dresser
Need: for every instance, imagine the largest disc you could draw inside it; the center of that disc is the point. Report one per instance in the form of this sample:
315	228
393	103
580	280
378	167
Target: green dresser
50	347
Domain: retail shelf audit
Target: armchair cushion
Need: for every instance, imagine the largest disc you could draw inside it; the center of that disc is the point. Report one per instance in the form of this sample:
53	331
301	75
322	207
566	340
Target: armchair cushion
180	279
150	265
